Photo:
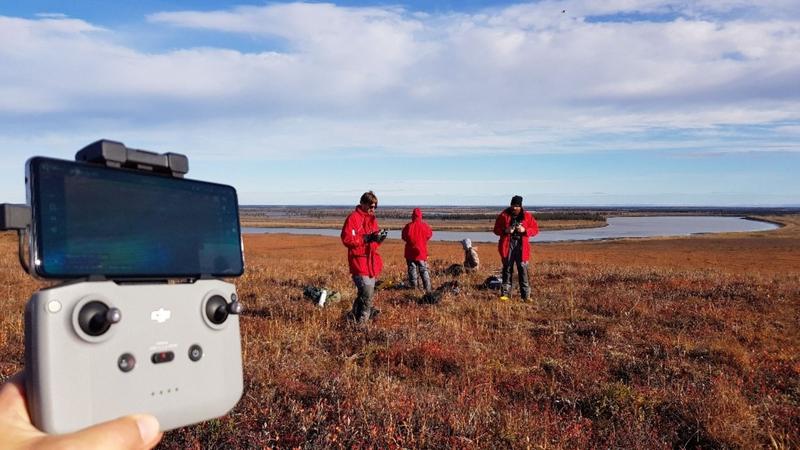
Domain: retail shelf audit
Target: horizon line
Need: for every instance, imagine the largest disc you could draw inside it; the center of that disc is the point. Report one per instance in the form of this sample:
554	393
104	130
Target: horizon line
608	206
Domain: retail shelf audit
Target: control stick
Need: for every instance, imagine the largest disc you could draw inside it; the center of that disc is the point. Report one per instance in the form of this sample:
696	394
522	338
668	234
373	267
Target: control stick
95	318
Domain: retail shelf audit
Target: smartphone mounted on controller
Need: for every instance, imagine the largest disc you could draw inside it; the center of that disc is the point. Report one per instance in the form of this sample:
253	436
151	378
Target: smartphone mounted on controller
140	319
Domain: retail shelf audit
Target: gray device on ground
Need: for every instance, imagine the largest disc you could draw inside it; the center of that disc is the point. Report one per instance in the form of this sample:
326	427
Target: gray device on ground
141	322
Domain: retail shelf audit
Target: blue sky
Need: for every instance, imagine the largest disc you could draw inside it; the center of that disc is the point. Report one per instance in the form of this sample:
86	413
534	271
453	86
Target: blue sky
577	102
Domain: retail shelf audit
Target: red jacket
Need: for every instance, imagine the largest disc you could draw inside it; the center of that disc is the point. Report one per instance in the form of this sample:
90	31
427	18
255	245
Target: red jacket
416	234
504	221
362	258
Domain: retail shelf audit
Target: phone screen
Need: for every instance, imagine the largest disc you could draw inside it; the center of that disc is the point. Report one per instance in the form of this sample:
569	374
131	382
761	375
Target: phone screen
118	223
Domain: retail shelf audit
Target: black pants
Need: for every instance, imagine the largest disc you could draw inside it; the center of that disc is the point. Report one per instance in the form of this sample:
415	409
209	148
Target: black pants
515	260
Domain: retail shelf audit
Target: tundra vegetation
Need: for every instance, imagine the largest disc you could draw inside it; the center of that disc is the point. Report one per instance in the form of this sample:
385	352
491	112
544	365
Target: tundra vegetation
641	343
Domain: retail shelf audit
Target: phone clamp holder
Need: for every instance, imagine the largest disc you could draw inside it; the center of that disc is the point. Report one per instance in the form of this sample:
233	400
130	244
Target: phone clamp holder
115	154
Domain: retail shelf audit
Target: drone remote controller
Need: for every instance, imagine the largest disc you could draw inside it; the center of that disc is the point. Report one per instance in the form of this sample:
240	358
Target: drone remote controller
98	350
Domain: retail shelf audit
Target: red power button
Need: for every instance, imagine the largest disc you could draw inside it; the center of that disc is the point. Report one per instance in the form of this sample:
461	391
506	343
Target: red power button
162	357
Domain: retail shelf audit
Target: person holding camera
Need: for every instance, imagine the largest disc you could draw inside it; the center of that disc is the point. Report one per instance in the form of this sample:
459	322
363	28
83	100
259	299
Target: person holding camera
362	237
417	233
515	226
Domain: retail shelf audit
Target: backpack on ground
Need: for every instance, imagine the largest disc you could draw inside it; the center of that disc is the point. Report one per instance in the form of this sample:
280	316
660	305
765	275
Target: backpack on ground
493	282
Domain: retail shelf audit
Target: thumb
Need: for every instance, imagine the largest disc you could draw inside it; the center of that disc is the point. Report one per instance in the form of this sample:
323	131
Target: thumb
137	432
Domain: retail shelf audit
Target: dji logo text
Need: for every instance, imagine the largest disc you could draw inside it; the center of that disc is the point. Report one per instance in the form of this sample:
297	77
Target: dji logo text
161	315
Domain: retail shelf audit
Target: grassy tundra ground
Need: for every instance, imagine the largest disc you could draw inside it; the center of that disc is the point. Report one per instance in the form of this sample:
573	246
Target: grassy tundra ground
646	343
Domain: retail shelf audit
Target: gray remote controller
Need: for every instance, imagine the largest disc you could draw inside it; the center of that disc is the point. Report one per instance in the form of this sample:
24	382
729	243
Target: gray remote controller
98	350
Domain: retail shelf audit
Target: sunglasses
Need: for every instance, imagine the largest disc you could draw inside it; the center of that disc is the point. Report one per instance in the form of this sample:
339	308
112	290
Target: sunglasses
373	206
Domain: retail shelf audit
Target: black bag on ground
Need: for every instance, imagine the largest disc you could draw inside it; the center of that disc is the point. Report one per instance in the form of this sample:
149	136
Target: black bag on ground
493	282
435	297
454	270
431	298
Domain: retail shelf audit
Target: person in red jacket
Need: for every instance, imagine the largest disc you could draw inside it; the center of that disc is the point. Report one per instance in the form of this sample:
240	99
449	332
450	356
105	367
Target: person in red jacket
361	236
417	233
515	226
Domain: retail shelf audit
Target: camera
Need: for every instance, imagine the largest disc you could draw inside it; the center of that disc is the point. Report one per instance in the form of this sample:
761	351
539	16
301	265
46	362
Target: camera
378	236
140	320
382	235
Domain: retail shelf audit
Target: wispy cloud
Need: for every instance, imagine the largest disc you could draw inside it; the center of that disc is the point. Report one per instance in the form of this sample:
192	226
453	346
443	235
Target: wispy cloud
545	77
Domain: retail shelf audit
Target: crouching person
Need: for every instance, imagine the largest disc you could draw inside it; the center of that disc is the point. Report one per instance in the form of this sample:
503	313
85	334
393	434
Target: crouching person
362	237
471	260
417	233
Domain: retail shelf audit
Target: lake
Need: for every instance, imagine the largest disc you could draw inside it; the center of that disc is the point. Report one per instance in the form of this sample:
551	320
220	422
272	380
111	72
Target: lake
618	227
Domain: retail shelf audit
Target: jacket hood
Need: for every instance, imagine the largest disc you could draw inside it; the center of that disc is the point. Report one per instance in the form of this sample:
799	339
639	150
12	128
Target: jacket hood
417	214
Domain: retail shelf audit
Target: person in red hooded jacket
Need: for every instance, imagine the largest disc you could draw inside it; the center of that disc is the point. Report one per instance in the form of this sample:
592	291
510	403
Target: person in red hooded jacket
515	226
361	236
417	233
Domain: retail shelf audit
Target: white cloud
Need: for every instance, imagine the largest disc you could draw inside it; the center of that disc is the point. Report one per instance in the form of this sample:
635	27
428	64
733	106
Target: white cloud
523	78
353	51
523	61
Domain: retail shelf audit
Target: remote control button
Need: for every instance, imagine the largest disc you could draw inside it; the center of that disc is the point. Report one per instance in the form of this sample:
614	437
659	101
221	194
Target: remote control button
195	352
162	357
126	362
53	306
234	297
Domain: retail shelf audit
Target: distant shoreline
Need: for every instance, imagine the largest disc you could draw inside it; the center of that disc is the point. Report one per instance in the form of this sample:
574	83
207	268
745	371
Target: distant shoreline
471	218
761	219
436	226
646	226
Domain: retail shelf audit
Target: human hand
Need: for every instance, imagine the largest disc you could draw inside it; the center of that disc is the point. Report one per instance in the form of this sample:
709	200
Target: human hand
520	229
134	432
371	237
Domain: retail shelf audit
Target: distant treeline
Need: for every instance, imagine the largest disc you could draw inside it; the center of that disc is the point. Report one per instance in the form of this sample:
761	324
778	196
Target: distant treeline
562	215
597	213
390	213
493	215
